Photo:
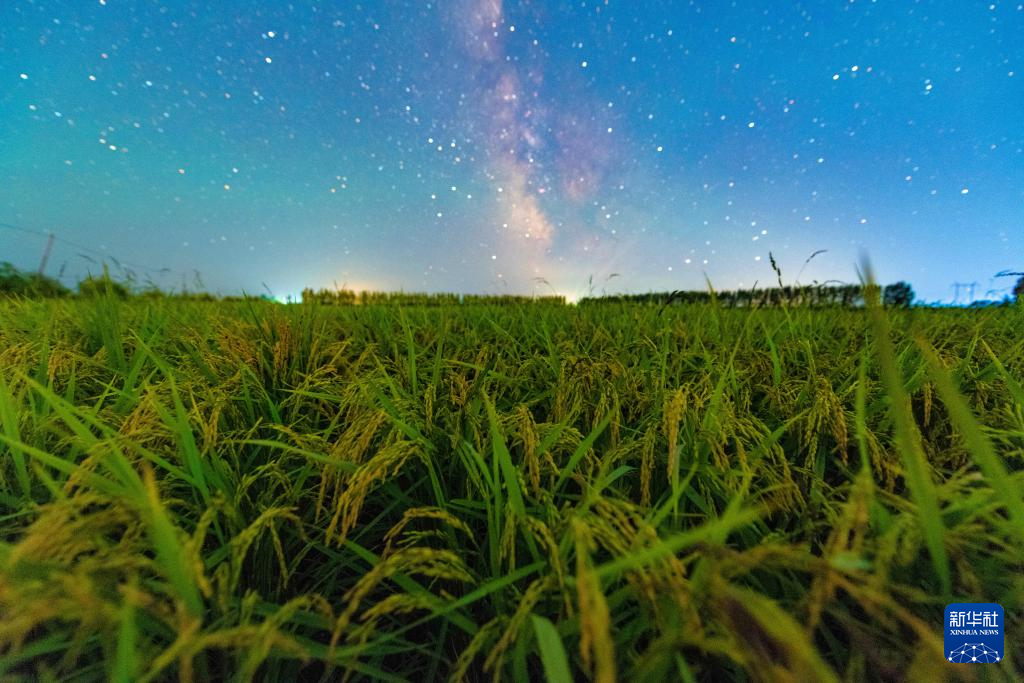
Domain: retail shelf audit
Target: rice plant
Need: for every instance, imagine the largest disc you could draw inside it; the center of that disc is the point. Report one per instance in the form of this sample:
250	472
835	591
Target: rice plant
241	490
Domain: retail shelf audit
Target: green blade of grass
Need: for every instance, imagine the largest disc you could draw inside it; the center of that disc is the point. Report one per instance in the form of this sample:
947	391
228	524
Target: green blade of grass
719	528
170	552
978	443
908	441
1015	388
552	652
91	479
508	473
126	664
581	451
9	422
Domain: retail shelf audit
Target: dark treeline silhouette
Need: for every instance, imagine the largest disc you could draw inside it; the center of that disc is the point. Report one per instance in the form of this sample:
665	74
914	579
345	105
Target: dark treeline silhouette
14	282
347	297
898	295
18	283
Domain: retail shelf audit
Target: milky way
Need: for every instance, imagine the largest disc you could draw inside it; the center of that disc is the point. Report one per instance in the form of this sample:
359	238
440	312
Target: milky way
489	146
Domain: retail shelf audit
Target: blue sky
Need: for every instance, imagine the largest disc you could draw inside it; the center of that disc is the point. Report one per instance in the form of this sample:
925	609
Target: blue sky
490	146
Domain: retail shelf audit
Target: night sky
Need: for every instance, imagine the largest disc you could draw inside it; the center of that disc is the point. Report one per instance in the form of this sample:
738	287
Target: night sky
492	147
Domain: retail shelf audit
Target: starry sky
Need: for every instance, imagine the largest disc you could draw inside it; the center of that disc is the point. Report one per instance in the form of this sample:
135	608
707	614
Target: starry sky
496	146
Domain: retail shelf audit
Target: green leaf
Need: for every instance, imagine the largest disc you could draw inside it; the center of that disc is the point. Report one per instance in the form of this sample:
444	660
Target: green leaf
552	652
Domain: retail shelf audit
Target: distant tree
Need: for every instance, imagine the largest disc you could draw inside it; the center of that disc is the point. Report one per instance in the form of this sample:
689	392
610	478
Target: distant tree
899	295
40	285
102	285
1018	290
17	283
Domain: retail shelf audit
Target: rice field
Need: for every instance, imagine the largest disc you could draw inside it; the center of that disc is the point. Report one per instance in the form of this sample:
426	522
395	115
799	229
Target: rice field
205	491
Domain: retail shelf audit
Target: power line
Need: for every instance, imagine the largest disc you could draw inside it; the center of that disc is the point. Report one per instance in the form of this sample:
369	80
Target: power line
89	250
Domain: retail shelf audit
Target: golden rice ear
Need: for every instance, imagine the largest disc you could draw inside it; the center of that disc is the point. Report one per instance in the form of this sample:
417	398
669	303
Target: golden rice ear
597	649
480	641
647	465
422	513
513	629
387	462
527	431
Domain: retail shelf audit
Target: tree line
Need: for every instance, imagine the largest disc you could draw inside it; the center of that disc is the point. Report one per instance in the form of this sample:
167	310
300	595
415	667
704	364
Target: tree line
19	283
347	297
897	295
14	282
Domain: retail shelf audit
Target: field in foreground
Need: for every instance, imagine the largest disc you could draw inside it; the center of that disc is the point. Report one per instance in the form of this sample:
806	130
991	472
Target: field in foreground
229	491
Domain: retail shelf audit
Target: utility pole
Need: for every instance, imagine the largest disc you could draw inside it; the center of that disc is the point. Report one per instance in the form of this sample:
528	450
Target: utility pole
46	253
968	288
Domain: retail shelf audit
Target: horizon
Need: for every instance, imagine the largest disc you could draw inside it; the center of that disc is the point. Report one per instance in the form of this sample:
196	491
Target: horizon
128	283
127	273
476	146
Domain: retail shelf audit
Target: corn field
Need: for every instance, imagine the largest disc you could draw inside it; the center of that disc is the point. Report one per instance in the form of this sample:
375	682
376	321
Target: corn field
248	491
